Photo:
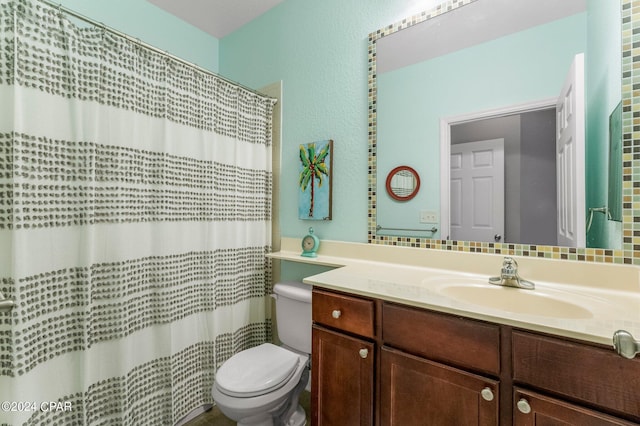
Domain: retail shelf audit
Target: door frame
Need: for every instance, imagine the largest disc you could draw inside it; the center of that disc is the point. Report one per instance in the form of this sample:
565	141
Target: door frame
445	147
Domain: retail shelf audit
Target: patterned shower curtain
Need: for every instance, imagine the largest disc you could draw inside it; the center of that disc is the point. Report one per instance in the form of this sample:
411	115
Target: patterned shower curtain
135	214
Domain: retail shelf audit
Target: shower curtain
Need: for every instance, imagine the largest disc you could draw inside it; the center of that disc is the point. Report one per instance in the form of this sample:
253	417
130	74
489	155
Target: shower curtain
135	214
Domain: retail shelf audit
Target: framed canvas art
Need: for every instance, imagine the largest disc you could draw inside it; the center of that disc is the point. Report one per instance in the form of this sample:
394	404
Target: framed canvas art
315	182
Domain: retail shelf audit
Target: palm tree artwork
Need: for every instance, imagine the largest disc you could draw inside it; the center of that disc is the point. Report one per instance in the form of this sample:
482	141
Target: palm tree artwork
316	160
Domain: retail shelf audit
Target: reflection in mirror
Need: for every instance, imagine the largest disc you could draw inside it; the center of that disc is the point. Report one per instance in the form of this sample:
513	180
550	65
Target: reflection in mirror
513	185
615	164
499	73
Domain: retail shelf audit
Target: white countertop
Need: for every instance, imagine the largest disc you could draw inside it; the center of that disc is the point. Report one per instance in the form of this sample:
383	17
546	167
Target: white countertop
586	312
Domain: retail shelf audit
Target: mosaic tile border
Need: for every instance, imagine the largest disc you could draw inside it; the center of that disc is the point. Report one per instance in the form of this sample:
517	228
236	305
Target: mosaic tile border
630	251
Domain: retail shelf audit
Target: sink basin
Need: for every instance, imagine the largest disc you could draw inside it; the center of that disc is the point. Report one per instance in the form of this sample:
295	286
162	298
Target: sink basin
509	299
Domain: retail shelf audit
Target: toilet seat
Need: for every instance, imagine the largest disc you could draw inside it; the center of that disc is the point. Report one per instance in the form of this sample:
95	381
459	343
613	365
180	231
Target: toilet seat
256	371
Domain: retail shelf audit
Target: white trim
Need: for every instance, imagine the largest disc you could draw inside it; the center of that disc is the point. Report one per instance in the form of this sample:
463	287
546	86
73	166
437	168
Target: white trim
445	146
574	204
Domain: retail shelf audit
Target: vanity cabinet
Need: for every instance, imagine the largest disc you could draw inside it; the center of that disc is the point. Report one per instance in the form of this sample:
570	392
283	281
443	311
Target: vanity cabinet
343	360
430	368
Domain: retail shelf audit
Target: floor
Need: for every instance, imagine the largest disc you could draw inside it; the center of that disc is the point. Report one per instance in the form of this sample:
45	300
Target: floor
214	417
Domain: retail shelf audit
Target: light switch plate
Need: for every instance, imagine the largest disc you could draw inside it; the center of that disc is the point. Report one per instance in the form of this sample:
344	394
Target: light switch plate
428	216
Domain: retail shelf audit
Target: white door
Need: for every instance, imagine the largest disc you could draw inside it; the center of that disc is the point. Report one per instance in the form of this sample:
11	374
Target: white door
477	191
570	157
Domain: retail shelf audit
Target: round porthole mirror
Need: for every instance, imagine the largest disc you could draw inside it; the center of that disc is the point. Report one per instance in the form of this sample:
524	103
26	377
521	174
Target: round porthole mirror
403	183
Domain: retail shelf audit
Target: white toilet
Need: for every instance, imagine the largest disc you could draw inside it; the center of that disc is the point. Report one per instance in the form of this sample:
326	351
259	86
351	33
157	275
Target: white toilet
261	386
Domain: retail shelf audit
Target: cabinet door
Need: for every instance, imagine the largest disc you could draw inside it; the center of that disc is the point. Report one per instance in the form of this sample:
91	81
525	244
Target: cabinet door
533	409
415	391
592	375
342	379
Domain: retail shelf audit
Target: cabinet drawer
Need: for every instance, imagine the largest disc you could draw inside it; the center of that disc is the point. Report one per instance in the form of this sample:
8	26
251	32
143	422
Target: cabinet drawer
589	374
461	342
347	313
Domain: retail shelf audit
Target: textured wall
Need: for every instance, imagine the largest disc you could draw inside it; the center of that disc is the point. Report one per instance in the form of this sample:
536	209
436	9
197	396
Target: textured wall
319	50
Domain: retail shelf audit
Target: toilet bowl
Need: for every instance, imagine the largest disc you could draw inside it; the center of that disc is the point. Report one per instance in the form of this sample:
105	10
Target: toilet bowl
261	386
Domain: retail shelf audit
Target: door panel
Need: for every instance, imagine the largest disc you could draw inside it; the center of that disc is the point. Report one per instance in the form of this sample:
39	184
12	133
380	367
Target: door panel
442	395
570	152
342	380
533	409
477	190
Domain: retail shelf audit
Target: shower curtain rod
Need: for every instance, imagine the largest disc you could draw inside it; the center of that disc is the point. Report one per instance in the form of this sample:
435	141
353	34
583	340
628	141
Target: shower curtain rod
88	20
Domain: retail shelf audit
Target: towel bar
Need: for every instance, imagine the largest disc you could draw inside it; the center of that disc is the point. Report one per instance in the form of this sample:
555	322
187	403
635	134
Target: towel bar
433	229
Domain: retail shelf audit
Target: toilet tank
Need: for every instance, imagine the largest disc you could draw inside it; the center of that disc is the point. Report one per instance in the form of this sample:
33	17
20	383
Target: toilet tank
293	315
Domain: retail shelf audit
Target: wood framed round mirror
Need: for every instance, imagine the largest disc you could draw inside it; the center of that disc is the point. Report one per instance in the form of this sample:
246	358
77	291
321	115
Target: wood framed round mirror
403	183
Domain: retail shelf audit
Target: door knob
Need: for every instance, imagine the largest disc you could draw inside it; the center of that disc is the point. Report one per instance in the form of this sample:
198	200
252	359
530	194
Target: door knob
336	314
363	353
497	237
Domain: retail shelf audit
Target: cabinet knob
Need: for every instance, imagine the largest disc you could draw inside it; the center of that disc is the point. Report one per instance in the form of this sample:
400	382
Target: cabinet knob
487	394
523	406
625	345
363	353
336	313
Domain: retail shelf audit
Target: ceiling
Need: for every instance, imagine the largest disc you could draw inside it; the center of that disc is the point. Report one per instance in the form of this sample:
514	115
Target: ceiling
216	17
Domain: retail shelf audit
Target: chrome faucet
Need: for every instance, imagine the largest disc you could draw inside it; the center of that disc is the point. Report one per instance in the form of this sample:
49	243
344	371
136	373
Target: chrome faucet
509	276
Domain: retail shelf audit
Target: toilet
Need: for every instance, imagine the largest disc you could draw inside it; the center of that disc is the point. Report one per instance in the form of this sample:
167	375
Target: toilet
261	386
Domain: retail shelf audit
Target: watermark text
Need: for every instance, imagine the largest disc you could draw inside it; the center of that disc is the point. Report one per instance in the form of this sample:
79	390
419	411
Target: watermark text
46	406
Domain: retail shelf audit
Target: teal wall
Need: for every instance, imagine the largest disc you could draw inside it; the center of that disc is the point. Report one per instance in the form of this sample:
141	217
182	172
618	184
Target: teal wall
603	74
152	25
319	50
523	67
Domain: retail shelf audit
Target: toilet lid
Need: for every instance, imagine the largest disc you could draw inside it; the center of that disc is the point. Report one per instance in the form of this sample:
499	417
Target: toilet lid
256	371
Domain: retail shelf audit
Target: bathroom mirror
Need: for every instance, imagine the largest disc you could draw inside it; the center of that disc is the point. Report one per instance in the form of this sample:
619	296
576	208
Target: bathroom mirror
437	99
403	183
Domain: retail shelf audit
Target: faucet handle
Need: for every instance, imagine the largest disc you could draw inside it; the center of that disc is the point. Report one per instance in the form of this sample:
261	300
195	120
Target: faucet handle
509	276
509	267
509	261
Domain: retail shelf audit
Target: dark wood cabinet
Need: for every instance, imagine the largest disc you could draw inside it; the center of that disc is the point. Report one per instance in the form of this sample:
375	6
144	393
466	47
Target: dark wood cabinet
343	361
593	376
461	342
430	368
533	409
346	313
416	391
342	379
